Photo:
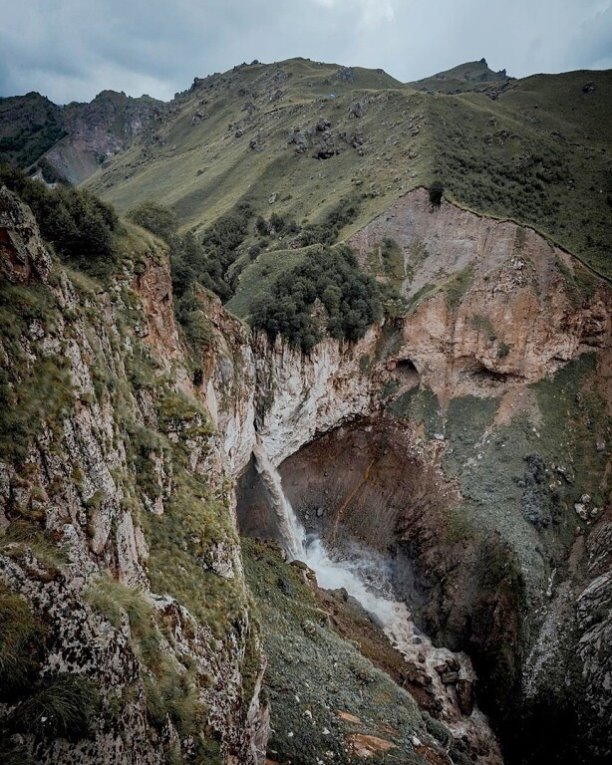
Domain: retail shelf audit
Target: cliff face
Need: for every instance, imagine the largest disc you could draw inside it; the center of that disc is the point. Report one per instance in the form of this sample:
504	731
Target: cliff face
118	545
467	440
98	131
473	444
491	303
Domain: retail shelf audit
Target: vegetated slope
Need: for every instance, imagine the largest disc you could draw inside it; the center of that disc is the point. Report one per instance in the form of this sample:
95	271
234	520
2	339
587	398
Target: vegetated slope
68	143
294	138
329	703
123	610
292	130
471	76
29	125
540	153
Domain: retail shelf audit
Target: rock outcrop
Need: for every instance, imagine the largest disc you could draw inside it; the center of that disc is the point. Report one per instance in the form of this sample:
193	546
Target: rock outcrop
145	651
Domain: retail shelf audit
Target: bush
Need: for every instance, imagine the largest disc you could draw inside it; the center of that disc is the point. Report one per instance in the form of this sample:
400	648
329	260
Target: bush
220	243
206	262
156	218
197	326
327	231
80	227
327	292
436	192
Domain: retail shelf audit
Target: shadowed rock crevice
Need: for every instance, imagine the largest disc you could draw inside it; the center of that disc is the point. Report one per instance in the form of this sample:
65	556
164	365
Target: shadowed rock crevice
376	485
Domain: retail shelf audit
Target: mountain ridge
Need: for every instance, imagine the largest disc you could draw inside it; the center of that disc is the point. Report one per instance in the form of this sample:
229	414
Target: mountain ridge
419	373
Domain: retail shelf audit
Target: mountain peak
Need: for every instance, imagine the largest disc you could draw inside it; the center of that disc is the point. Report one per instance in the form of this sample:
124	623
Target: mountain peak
469	76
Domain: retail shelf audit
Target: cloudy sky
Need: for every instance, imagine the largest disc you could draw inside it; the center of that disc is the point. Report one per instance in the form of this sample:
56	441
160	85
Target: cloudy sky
72	49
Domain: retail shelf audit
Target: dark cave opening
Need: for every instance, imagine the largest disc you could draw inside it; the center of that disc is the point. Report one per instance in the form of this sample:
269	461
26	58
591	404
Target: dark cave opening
368	482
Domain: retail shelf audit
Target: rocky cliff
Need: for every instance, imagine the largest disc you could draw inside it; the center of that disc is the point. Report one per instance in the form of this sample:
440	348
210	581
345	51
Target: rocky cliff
465	441
69	143
129	633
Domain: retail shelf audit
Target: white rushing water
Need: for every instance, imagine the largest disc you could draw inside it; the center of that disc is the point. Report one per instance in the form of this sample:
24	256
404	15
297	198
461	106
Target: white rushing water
363	574
366	576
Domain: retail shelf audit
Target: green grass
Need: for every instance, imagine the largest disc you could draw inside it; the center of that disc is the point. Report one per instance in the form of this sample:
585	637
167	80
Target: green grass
258	278
21	643
456	287
538	153
24	536
419	405
63	706
311	668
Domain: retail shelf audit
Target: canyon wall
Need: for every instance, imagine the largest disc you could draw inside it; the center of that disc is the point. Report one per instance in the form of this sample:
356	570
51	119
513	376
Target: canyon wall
121	574
466	439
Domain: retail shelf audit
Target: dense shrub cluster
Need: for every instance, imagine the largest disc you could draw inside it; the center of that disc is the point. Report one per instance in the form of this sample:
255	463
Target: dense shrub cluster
436	191
327	292
327	231
206	262
220	244
80	227
276	225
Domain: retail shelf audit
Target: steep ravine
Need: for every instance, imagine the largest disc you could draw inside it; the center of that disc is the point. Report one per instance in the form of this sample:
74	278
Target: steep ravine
468	444
473	468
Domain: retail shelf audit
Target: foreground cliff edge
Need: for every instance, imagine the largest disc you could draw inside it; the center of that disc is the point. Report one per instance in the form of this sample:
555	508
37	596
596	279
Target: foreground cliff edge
467	440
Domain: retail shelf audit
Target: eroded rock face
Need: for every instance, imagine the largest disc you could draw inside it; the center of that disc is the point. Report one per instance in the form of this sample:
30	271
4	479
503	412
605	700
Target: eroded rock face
97	473
491	305
23	256
97	131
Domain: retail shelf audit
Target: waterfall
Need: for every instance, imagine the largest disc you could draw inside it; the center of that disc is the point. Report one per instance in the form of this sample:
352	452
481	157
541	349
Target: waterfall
292	534
366	576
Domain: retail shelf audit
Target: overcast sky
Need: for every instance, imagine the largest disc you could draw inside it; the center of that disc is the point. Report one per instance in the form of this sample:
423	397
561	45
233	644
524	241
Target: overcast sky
72	49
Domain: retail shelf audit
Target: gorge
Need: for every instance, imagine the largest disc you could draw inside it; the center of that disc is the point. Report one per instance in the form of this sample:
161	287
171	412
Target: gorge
390	548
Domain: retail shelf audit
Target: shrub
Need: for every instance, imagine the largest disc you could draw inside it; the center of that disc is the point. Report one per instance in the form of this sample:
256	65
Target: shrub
156	218
197	326
206	262
327	231
80	227
326	292
436	192
220	243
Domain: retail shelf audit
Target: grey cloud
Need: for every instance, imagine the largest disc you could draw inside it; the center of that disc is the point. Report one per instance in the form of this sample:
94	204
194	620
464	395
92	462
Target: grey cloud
71	49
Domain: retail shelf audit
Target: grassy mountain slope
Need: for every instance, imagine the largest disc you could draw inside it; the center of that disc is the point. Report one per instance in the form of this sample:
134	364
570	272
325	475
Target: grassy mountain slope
539	153
200	161
471	76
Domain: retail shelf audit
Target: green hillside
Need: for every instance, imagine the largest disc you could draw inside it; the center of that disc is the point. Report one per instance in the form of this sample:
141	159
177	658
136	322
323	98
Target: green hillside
471	76
294	138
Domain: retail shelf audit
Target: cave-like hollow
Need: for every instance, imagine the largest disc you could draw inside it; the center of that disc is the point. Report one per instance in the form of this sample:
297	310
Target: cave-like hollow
377	483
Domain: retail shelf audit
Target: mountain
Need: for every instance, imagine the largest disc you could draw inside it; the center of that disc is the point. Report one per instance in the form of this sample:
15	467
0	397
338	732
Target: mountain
474	76
305	443
259	131
68	143
262	132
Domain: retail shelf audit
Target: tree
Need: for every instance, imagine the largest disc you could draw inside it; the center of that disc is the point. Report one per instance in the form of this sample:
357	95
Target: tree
436	192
